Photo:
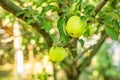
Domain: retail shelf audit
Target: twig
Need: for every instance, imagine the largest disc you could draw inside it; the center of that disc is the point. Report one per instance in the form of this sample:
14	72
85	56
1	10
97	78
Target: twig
80	55
94	51
54	71
99	7
71	42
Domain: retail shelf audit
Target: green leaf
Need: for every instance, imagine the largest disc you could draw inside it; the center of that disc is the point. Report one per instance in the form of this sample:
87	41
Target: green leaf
49	7
25	13
63	3
87	32
47	25
112	33
113	14
116	25
60	25
29	21
20	13
108	20
71	1
88	9
81	42
40	2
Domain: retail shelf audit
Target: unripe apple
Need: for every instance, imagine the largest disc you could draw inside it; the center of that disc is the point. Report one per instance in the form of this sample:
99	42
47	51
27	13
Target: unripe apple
57	54
75	26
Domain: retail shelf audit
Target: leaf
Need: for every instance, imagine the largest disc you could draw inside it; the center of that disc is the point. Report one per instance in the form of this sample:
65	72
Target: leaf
49	7
20	13
75	7
71	1
63	3
81	42
113	14
108	20
40	2
88	9
60	25
112	33
47	25
116	25
29	21
87	32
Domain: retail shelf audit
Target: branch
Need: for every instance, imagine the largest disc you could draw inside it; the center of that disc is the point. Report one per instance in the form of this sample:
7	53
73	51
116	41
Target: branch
74	40
96	47
94	51
99	7
54	71
14	9
80	55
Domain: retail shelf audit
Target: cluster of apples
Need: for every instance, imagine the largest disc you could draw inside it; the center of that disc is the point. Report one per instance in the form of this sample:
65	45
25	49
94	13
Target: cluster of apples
75	27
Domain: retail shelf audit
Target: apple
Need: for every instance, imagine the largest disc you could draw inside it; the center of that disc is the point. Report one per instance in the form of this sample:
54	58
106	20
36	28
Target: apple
75	26
57	54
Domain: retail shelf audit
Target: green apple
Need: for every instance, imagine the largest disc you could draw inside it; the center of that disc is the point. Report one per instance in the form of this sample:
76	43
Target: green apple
75	26
57	54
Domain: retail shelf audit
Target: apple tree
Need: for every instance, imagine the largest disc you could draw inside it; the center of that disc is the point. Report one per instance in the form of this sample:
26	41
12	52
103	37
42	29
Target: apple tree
73	30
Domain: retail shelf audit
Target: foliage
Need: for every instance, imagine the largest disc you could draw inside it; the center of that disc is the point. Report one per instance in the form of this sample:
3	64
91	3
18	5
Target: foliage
50	17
